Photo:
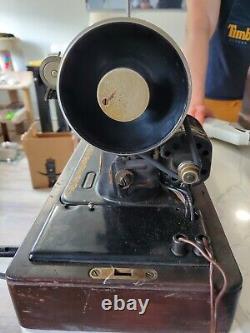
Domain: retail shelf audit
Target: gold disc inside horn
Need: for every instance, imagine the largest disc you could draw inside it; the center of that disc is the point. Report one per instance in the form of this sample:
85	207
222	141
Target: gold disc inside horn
123	94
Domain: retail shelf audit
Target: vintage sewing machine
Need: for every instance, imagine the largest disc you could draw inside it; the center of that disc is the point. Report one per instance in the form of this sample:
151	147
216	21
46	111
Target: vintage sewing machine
113	232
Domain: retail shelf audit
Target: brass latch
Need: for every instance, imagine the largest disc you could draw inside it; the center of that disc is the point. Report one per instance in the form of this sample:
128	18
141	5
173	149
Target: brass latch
114	273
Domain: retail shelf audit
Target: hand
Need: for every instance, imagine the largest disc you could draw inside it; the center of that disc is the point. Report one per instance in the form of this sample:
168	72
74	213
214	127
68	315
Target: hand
200	112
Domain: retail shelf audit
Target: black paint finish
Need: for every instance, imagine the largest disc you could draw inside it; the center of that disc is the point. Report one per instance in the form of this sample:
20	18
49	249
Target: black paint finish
111	234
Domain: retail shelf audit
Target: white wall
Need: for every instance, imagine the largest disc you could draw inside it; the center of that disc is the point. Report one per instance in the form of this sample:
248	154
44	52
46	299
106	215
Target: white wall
40	23
172	21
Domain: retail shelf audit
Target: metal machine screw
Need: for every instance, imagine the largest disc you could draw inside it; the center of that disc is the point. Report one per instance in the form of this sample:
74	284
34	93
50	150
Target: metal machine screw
91	206
124	178
151	275
54	73
94	272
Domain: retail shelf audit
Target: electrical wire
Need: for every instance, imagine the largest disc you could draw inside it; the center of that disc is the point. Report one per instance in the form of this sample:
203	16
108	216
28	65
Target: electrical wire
185	198
189	200
188	194
179	195
219	296
211	285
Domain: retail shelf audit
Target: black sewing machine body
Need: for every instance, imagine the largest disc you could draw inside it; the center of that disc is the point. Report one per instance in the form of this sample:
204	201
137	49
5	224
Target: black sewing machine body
133	206
112	224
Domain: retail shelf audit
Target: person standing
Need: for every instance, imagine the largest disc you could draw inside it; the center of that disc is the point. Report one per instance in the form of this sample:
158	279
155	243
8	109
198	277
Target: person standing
218	53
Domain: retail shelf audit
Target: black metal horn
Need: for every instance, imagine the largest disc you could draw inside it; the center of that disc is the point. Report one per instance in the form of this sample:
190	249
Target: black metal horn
124	54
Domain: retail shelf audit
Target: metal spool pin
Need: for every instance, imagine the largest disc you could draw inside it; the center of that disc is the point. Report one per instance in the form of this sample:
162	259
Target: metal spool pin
129	8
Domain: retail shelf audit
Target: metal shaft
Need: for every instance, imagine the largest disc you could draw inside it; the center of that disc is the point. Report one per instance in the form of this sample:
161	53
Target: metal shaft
129	8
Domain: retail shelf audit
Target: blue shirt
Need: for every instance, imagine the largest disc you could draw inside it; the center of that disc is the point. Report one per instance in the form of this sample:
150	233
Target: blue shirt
229	52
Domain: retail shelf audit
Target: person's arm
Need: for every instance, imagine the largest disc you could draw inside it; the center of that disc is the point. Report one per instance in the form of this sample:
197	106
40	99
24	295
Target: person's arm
202	19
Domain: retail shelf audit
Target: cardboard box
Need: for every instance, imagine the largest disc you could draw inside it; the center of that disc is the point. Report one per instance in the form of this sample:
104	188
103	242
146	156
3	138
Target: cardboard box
47	154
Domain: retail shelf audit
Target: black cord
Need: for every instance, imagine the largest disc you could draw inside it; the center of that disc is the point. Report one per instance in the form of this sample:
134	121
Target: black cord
8	251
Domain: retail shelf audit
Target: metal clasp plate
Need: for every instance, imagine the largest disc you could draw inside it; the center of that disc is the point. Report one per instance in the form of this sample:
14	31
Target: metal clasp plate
118	273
